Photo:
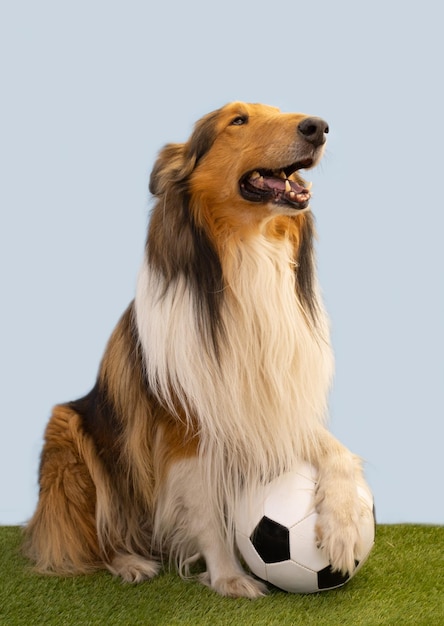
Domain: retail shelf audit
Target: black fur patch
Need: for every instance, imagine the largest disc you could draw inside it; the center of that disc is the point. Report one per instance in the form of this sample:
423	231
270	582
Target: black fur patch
100	422
176	247
305	269
97	410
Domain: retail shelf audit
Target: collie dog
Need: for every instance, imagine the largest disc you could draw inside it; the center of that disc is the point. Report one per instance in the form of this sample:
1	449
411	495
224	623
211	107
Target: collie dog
216	376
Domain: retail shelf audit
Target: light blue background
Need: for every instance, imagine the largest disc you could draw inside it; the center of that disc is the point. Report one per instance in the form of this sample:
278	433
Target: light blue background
90	91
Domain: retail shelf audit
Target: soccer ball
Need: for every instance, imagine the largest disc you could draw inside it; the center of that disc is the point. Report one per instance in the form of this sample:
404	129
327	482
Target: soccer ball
275	534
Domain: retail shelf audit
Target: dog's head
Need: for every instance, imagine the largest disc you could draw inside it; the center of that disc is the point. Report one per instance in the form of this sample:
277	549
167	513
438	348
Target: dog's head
237	176
247	157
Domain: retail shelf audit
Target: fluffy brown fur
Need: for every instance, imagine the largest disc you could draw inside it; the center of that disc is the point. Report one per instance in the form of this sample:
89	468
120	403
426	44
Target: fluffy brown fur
215	378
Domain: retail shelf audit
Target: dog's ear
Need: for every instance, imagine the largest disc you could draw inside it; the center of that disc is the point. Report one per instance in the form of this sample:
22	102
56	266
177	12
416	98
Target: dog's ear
176	161
169	168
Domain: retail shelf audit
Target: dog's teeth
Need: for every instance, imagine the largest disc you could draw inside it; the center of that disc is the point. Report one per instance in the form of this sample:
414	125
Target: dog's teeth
287	185
309	186
292	194
282	174
255	175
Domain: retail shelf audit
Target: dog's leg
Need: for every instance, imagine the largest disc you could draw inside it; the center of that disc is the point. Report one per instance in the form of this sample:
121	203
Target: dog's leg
337	501
61	537
188	523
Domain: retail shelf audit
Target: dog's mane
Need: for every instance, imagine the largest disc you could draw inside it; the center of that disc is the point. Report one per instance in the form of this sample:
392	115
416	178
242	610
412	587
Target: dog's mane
228	326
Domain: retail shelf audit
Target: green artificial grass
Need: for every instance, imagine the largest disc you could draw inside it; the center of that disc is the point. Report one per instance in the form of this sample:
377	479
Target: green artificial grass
401	583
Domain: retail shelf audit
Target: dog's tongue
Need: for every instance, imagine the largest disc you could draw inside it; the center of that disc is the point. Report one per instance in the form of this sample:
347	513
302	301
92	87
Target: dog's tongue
279	184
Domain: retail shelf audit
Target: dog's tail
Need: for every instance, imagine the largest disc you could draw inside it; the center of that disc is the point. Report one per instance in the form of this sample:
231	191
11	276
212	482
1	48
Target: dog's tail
61	537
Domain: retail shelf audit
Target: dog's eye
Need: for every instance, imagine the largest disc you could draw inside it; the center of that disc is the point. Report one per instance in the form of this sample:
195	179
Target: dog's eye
239	120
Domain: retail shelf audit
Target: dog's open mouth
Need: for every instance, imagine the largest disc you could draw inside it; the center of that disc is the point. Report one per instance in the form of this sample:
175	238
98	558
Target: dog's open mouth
276	186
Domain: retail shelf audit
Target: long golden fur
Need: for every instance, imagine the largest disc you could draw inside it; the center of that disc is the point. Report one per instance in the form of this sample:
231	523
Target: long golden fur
215	378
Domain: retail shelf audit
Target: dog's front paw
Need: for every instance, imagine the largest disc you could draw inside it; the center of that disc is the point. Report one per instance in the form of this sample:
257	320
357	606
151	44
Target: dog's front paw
238	586
342	516
133	568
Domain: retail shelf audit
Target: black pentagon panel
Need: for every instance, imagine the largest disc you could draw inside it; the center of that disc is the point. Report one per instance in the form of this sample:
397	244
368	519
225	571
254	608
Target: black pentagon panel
328	578
271	540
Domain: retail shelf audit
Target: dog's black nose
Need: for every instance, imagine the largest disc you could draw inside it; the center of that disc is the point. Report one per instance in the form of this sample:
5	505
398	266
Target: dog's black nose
313	130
